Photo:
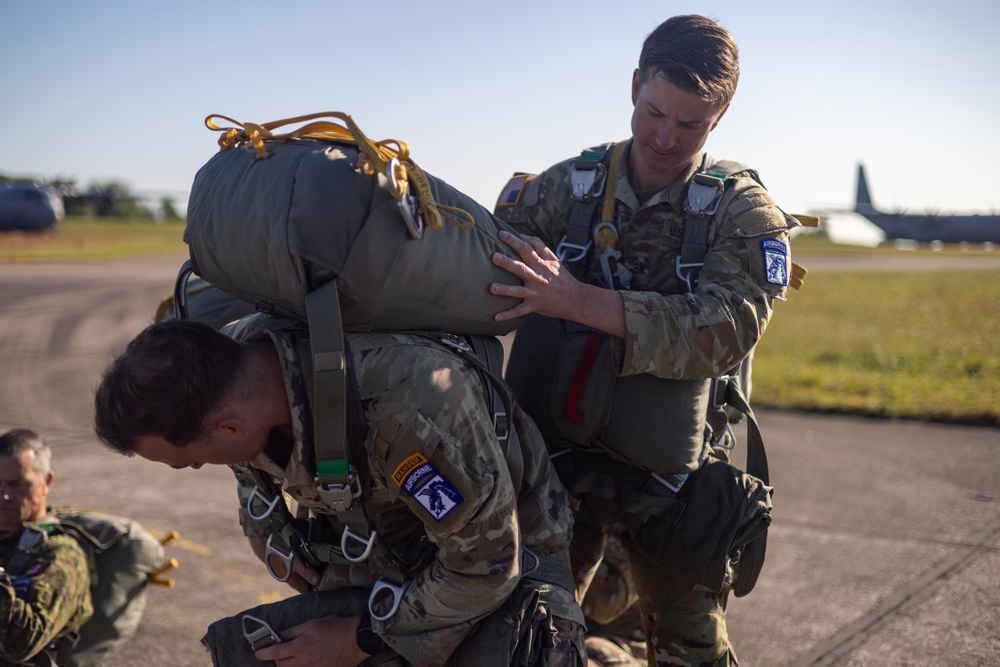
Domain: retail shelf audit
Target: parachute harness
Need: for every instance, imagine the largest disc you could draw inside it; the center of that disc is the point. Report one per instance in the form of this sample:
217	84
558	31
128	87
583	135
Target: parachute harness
389	156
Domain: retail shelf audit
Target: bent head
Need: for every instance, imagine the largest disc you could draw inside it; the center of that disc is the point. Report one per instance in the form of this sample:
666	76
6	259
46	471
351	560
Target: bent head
687	75
166	383
25	478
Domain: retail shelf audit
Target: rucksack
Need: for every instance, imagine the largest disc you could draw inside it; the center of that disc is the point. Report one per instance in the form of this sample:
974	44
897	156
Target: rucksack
123	558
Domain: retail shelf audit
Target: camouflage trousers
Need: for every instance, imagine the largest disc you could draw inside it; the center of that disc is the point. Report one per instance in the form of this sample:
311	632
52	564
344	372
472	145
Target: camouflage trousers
628	598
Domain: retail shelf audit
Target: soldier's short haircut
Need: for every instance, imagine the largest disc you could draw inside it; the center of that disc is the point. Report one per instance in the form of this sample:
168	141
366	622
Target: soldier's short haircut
166	383
18	440
694	53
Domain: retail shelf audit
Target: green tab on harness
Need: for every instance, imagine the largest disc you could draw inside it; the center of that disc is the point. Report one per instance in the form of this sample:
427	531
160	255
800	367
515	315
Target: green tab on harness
332	467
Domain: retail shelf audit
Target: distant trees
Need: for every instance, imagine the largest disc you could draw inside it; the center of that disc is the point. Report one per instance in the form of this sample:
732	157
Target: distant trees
110	198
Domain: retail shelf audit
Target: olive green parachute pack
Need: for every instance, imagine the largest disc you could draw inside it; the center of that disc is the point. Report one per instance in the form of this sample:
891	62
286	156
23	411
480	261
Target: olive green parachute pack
272	217
123	558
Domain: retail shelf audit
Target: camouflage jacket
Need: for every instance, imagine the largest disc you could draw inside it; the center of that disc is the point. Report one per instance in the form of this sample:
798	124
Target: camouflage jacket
671	334
48	599
426	405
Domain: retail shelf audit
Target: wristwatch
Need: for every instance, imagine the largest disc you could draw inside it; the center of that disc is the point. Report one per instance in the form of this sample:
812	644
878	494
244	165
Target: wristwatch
366	638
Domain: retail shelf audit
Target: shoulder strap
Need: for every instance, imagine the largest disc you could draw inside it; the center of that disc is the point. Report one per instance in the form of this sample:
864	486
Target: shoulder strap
588	178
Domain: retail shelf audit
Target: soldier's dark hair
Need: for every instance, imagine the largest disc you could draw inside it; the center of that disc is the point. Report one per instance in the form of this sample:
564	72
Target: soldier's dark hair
694	53
166	383
18	440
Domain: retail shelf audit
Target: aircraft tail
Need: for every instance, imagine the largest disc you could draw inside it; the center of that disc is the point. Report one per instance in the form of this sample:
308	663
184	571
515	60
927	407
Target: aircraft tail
863	200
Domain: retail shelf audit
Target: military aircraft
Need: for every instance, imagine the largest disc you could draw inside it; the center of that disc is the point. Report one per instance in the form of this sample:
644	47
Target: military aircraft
926	227
29	207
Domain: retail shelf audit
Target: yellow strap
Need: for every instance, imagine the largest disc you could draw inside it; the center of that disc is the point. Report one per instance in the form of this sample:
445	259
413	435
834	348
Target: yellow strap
807	220
798	276
610	185
376	157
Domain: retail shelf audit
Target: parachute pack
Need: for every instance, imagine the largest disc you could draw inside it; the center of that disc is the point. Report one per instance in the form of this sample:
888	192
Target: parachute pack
272	217
123	558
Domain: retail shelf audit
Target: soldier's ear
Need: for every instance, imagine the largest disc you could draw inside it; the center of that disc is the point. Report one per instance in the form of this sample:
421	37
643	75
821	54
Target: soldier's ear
49	476
719	117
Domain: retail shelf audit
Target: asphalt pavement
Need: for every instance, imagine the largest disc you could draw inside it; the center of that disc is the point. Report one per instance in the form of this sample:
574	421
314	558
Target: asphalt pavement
884	550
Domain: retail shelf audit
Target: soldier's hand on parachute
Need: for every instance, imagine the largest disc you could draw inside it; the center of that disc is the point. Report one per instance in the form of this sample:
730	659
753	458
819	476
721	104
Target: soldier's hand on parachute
324	642
550	289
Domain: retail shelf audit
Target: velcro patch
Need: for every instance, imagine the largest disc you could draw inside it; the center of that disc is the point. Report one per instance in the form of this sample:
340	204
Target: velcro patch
511	195
427	486
775	261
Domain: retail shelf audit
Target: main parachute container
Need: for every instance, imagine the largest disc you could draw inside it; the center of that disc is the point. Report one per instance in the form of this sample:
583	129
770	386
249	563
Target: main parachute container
283	214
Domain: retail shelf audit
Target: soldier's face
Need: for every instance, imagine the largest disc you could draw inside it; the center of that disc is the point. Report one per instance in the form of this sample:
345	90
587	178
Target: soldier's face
214	450
23	491
670	127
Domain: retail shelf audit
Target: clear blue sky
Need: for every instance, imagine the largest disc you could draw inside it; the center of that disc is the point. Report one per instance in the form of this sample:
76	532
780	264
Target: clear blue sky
114	89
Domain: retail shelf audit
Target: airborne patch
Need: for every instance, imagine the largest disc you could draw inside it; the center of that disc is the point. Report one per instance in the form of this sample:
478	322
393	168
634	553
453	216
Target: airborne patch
424	483
511	195
775	261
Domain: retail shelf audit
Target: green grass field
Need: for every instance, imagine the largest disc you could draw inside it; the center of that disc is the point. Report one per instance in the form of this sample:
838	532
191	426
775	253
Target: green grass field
915	344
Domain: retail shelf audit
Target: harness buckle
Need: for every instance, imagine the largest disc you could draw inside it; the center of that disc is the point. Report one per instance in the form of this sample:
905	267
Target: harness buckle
704	194
564	247
269	503
368	542
340	496
686	270
719	386
588	181
272	550
382	586
727	435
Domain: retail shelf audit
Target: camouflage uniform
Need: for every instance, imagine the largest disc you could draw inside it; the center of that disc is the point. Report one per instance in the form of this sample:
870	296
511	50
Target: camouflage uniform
674	335
48	599
424	403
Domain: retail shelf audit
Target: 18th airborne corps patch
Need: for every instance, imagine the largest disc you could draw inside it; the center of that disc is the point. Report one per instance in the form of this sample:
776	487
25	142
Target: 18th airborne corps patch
775	261
424	483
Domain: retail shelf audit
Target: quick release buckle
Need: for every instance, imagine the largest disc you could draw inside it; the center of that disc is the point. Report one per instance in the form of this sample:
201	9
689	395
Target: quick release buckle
705	193
340	496
587	179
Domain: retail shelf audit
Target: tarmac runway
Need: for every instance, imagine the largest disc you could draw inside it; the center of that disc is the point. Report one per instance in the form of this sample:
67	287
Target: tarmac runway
884	551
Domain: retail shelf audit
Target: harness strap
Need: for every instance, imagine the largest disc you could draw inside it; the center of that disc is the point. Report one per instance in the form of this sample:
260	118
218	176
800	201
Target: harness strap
587	181
704	194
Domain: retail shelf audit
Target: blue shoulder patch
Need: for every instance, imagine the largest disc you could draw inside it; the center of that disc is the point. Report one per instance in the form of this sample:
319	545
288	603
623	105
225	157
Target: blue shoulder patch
419	478
775	261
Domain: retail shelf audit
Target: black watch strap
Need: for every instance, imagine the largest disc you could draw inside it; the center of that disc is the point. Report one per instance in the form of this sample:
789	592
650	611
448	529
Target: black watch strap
366	638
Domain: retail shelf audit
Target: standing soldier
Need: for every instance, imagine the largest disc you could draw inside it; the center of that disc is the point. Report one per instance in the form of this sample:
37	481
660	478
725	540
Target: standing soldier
44	577
655	267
